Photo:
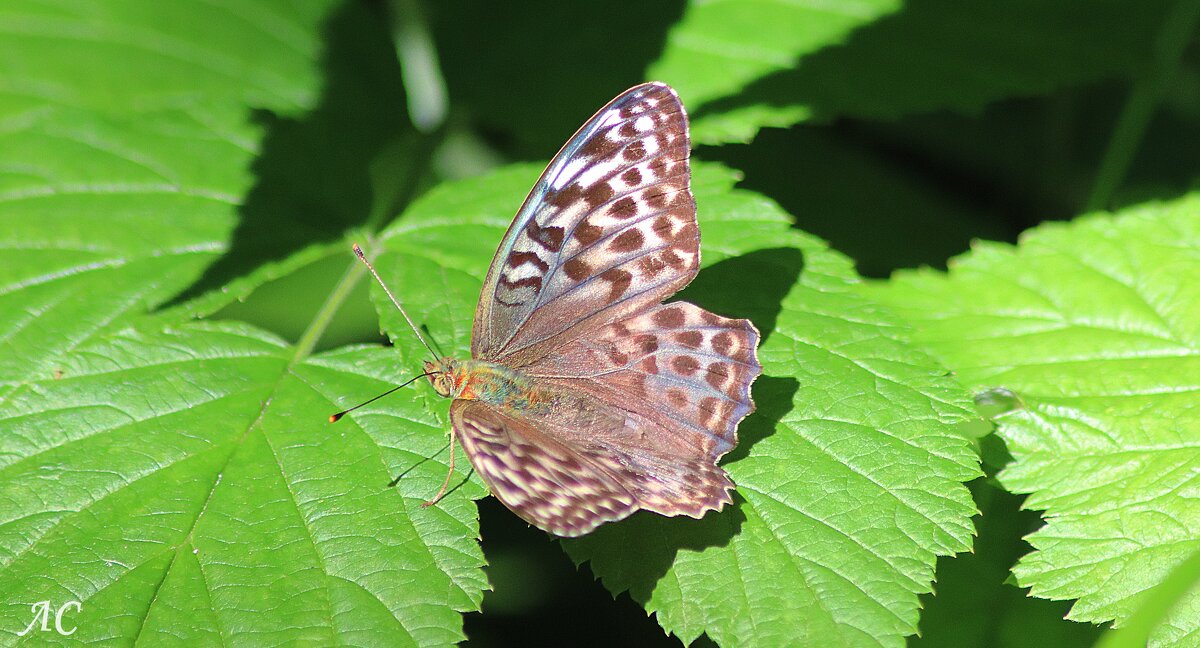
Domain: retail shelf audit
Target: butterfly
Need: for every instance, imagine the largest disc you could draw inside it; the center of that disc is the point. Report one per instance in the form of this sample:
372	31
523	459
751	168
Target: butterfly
586	397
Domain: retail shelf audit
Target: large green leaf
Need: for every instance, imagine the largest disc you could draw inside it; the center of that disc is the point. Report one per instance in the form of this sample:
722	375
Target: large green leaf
178	479
184	485
130	129
849	474
1092	331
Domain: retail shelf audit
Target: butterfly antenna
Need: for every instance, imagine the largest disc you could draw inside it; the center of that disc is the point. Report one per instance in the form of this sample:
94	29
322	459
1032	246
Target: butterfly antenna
362	257
334	418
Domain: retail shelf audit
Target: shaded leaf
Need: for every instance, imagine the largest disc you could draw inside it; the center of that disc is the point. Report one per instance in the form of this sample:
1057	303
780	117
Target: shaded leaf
975	605
130	129
741	66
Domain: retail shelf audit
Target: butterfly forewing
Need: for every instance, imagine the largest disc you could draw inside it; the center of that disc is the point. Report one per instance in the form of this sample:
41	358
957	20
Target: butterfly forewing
609	228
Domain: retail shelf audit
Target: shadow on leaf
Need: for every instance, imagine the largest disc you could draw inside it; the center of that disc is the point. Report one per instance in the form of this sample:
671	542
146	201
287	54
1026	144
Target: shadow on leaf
312	176
877	72
752	285
597	49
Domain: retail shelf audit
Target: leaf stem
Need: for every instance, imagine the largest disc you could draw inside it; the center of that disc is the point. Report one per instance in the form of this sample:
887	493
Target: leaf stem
1178	26
312	334
423	80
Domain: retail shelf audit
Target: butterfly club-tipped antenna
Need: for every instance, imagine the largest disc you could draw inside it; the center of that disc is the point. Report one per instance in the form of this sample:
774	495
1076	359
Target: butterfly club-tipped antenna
362	257
334	418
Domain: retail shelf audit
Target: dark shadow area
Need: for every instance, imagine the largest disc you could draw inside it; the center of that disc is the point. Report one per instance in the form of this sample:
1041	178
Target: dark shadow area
657	540
540	598
879	73
885	211
911	151
975	605
585	54
312	174
773	398
752	286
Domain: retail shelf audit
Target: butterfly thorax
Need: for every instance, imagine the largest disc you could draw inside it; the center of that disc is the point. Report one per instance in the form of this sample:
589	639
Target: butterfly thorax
488	382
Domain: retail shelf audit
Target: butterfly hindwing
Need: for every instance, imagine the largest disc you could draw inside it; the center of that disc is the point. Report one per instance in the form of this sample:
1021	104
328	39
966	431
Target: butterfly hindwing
685	371
608	229
548	484
585	464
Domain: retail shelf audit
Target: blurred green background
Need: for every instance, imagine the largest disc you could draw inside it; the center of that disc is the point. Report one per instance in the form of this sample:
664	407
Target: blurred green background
914	145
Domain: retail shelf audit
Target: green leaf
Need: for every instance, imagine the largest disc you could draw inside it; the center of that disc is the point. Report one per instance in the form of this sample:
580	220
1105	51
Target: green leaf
720	48
1092	329
179	479
184	485
1155	606
849	474
109	185
142	139
741	66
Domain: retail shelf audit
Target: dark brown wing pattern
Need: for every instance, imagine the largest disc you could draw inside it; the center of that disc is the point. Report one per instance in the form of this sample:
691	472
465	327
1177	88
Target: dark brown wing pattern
544	480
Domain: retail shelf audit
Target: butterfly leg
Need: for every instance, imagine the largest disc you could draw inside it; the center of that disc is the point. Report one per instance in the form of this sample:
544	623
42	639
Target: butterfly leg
449	473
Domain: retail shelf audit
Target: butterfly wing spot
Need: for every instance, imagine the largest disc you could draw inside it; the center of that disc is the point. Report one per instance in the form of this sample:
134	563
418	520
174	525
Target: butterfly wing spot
678	397
718	375
518	259
647	344
669	318
577	269
549	238
684	365
634	152
586	233
616	357
598	194
618	280
597	148
628	241
632	177
624	209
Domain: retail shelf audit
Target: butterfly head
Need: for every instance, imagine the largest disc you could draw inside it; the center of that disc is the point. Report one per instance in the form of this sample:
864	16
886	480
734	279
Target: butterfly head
446	376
